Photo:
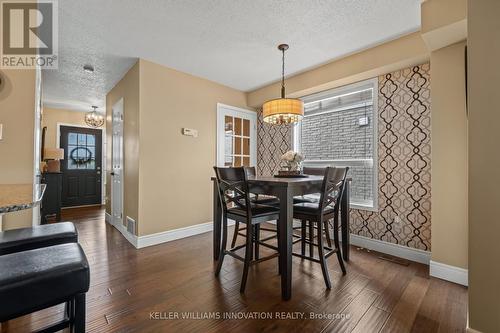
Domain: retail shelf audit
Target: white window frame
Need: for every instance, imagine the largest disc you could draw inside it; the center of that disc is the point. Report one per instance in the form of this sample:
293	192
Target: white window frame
344	90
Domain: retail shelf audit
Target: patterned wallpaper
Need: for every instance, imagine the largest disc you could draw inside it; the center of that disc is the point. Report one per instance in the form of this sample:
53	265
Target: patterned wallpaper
403	160
272	142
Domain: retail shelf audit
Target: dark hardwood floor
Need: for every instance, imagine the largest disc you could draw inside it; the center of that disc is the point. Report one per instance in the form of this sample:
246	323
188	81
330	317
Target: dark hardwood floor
129	286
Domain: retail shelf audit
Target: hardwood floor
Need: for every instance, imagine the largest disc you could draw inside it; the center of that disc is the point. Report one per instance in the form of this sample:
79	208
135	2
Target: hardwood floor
130	286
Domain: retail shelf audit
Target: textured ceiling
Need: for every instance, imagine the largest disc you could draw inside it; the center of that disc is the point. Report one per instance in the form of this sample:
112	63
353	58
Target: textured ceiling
232	42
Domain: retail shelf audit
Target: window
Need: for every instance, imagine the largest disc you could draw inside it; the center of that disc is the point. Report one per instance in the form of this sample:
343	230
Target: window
81	151
339	128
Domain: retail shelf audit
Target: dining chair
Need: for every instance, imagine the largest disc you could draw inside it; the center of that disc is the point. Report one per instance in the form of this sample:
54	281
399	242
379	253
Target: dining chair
316	213
315	171
237	205
256	199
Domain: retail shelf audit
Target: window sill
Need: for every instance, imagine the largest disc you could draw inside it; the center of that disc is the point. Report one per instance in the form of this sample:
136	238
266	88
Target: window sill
367	207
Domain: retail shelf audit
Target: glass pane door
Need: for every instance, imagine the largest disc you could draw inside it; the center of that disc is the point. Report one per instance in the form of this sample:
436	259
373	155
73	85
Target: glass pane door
237	141
237	138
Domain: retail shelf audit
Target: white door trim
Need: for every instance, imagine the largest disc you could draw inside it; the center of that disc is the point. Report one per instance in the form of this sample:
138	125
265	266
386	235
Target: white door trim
103	152
122	167
220	127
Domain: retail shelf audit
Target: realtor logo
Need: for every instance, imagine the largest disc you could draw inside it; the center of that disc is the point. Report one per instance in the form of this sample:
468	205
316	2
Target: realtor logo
28	34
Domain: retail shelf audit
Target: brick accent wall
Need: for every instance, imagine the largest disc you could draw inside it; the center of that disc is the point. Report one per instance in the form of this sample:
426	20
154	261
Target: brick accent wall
338	135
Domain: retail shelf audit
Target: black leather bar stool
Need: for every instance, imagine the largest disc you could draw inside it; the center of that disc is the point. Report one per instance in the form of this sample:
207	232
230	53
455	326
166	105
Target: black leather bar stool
237	205
37	279
317	213
23	239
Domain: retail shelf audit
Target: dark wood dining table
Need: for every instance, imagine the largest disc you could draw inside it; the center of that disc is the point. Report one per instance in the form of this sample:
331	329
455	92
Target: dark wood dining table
284	189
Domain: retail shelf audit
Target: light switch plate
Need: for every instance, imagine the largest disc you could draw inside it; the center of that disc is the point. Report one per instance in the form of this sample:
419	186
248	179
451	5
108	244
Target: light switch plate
1	131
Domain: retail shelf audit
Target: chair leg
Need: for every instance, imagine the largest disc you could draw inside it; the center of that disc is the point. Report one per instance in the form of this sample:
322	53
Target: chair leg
278	243
322	259
303	237
223	245
79	326
311	239
327	233
248	257
69	309
337	245
257	239
235	235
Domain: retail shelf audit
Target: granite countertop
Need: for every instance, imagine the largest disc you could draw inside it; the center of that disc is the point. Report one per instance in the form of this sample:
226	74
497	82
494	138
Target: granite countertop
19	196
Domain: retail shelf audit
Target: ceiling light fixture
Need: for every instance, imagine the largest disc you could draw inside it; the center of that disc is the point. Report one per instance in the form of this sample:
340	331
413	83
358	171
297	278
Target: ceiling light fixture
283	110
88	68
94	119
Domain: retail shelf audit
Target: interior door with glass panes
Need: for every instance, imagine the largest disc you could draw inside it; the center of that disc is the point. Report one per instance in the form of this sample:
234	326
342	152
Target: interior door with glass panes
236	137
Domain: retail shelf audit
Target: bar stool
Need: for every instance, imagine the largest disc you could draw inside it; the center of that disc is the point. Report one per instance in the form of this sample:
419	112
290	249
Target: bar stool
317	213
237	205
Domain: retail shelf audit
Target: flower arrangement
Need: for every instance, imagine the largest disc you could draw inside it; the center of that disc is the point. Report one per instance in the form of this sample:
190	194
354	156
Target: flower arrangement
293	160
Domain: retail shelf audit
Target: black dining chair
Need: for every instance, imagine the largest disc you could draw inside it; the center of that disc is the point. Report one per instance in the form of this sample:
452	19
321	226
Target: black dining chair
237	205
317	213
256	199
313	198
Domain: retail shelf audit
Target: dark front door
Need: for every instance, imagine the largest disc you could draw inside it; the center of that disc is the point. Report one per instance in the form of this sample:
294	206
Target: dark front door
81	167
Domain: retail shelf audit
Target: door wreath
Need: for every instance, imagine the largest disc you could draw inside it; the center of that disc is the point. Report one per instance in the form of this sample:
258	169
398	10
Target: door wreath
77	158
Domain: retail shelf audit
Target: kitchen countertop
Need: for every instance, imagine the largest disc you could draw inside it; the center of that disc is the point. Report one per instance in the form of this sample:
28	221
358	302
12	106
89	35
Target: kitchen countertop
14	197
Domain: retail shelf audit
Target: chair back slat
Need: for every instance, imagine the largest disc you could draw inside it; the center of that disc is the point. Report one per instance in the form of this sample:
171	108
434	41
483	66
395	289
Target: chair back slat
233	188
250	171
315	171
332	188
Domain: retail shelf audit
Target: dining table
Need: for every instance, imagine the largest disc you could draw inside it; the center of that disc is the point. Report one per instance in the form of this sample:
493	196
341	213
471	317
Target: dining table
285	189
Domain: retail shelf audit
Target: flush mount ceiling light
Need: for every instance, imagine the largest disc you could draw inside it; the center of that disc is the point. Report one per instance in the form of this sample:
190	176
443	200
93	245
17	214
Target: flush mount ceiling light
88	68
94	119
283	110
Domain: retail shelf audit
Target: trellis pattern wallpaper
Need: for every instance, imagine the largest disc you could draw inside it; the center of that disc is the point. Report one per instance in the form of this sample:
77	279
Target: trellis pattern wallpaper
404	151
272	142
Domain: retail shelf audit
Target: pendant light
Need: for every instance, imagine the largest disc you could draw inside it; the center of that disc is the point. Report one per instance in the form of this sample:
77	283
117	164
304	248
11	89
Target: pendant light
283	110
94	119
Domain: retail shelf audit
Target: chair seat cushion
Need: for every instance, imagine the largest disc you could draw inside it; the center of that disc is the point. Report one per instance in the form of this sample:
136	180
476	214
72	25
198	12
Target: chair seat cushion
35	279
307	198
24	239
310	208
257	210
266	200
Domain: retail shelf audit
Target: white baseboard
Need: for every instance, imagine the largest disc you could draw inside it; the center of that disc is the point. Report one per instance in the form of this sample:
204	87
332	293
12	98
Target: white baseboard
449	273
392	249
164	236
133	239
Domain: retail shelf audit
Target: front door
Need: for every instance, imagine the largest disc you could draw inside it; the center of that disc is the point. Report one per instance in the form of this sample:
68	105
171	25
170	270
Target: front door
236	136
81	167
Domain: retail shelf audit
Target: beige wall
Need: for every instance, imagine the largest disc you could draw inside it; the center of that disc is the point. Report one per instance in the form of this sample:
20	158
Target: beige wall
50	119
444	22
128	89
17	114
449	156
400	53
484	164
175	170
